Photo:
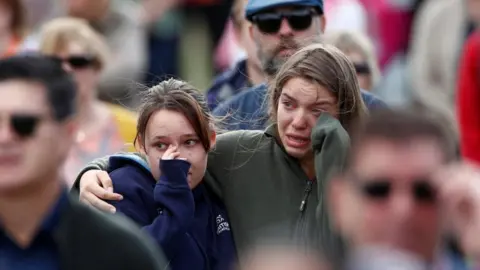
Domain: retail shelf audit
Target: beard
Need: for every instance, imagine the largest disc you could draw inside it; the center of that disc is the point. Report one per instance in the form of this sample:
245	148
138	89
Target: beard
272	60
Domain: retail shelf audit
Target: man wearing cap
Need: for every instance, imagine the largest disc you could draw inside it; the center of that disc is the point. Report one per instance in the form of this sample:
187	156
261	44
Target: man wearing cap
279	28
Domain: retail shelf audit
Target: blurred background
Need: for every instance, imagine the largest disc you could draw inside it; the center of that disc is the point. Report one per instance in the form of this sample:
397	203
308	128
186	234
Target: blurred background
421	52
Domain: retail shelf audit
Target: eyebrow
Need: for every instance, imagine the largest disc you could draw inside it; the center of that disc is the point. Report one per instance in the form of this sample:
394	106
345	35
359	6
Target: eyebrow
321	102
188	135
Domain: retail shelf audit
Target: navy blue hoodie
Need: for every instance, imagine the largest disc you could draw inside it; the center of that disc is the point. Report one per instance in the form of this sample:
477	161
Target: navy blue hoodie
190	226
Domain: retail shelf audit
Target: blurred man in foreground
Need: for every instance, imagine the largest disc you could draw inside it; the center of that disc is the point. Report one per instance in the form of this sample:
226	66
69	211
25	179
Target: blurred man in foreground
40	227
400	192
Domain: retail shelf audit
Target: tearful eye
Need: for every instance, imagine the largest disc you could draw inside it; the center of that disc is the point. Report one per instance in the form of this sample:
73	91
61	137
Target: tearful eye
191	142
287	104
318	111
162	146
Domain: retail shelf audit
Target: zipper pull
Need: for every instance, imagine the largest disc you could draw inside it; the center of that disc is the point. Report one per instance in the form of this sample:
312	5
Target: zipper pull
306	193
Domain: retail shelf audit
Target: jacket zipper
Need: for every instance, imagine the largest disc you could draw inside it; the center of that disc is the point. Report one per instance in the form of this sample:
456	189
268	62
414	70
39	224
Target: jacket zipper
306	194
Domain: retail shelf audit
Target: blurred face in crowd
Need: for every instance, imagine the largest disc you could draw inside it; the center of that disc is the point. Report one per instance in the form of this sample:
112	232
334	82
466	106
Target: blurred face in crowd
362	68
90	10
473	10
84	66
283	258
388	198
280	32
32	144
168	128
242	32
6	17
301	103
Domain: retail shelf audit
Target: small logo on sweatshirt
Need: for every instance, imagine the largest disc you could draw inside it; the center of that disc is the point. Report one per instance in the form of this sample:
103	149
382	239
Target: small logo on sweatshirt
222	225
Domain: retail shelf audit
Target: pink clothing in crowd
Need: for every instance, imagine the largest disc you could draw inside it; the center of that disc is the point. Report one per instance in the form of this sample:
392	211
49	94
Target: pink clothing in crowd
389	26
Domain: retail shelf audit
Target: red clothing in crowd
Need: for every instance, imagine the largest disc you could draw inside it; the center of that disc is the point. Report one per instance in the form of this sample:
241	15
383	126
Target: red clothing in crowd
468	99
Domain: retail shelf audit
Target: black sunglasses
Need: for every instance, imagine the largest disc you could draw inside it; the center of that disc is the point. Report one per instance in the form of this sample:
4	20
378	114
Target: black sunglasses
362	68
77	61
422	191
24	125
299	20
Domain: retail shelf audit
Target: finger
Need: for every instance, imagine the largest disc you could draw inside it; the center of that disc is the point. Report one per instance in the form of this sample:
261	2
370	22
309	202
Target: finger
172	155
175	154
171	148
102	193
91	200
104	180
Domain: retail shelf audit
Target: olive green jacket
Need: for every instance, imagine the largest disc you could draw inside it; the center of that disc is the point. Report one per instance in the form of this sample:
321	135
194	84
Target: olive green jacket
265	190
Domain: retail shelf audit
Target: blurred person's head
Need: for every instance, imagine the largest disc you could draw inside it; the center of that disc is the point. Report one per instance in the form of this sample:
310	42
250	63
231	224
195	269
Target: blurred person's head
90	10
360	51
317	79
174	113
82	51
242	32
282	257
473	11
279	27
37	126
12	18
386	196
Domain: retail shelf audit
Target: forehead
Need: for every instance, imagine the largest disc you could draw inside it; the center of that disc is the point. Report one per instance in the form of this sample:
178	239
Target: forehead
168	123
416	157
305	91
23	96
72	48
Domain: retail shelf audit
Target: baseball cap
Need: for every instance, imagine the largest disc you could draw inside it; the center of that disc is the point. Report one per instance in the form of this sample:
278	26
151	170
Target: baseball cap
256	6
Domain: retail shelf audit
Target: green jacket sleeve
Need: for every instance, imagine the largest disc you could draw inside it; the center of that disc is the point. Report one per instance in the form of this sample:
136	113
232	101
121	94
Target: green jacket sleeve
96	164
331	144
222	160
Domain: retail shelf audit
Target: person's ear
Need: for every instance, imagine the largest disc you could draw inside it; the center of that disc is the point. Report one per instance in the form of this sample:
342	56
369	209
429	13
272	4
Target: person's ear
323	23
251	31
140	145
213	138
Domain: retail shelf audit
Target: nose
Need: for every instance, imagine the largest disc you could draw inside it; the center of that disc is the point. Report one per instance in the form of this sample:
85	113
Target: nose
6	132
300	120
67	67
183	152
285	29
401	207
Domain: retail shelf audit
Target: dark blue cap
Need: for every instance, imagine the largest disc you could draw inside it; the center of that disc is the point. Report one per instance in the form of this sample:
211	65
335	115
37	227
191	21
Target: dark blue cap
256	6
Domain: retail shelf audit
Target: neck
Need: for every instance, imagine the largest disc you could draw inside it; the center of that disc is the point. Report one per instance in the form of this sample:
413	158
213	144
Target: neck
87	112
255	74
308	166
22	213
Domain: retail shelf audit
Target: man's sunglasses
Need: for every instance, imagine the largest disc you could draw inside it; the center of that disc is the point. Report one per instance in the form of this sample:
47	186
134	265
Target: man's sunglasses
270	23
362	68
422	191
77	61
24	125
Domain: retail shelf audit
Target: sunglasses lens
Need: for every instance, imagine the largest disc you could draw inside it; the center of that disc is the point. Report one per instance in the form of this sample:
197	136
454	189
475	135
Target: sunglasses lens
24	125
269	24
424	192
299	22
362	68
80	61
376	190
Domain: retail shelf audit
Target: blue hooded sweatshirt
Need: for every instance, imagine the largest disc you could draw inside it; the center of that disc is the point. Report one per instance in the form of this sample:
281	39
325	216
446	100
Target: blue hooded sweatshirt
191	226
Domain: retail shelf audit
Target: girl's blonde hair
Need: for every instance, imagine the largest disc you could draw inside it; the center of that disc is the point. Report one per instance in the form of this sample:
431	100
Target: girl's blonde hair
58	34
356	42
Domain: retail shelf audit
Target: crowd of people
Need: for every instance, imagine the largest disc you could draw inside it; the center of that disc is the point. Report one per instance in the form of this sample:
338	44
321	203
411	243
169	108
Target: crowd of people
337	135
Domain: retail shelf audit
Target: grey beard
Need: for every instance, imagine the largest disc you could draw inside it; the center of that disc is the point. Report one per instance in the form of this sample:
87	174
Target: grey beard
271	65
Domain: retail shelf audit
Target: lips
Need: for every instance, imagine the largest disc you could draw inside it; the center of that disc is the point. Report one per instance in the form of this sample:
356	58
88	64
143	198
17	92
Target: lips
297	141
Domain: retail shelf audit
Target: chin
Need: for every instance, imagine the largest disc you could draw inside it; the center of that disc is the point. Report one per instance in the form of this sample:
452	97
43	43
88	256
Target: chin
296	153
